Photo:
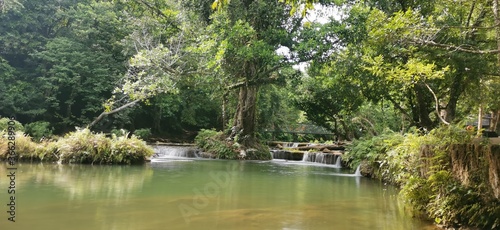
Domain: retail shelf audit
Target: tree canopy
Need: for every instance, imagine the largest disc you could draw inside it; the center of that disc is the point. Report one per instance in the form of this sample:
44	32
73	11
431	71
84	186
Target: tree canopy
179	66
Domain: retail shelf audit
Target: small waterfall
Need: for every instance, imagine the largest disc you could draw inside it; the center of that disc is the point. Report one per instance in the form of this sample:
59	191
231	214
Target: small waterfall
286	155
280	154
338	163
320	158
358	171
305	158
164	151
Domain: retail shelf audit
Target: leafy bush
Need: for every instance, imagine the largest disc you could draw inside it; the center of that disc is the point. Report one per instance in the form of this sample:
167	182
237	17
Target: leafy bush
38	130
144	134
426	179
81	146
214	143
119	132
129	150
24	148
4	124
371	149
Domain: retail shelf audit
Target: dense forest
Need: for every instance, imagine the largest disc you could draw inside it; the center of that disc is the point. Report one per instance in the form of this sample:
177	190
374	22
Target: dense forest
413	84
176	67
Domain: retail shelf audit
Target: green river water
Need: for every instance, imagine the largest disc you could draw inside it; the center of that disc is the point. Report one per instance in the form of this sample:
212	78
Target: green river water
199	194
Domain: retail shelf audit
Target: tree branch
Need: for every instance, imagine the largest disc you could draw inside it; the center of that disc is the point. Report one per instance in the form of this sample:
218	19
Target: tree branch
249	83
257	81
470	13
437	104
403	111
454	48
156	10
103	114
360	119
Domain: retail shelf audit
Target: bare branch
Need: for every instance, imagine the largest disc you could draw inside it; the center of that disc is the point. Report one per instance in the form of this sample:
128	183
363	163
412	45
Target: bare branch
360	121
103	114
437	104
453	48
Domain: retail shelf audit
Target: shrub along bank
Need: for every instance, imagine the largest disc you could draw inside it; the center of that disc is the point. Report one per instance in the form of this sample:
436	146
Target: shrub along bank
215	144
81	146
446	175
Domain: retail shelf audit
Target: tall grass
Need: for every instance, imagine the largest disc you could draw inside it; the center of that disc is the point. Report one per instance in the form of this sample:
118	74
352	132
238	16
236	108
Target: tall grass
81	146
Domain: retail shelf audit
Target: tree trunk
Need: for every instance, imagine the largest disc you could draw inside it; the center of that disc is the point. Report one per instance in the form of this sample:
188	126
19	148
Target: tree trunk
455	92
480	120
494	121
224	115
157	113
496	12
243	130
103	114
422	108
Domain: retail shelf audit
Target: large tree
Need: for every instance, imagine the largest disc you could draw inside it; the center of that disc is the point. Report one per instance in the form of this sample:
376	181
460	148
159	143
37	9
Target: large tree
427	59
247	35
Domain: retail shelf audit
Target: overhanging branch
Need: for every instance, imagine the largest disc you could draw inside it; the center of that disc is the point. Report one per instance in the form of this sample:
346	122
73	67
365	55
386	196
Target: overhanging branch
453	48
103	114
437	104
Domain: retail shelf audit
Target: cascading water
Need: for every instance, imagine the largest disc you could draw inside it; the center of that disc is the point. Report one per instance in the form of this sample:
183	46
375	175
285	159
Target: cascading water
338	163
322	158
358	171
166	153
305	158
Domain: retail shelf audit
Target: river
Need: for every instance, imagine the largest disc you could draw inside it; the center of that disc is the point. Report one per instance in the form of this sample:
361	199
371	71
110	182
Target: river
200	194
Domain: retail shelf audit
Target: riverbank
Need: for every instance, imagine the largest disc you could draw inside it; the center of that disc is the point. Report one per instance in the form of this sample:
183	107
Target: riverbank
81	146
447	175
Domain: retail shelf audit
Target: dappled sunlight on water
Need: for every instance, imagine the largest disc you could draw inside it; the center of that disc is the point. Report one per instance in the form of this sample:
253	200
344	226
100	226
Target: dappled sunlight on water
202	195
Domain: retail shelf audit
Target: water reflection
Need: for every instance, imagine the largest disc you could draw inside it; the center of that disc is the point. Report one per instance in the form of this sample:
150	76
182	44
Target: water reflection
202	195
83	181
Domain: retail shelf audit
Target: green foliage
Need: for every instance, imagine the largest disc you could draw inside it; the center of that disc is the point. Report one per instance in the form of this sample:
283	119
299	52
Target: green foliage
214	142
373	149
7	5
4	124
399	52
128	151
119	132
275	112
67	54
144	134
419	163
417	193
81	146
38	130
453	204
25	148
